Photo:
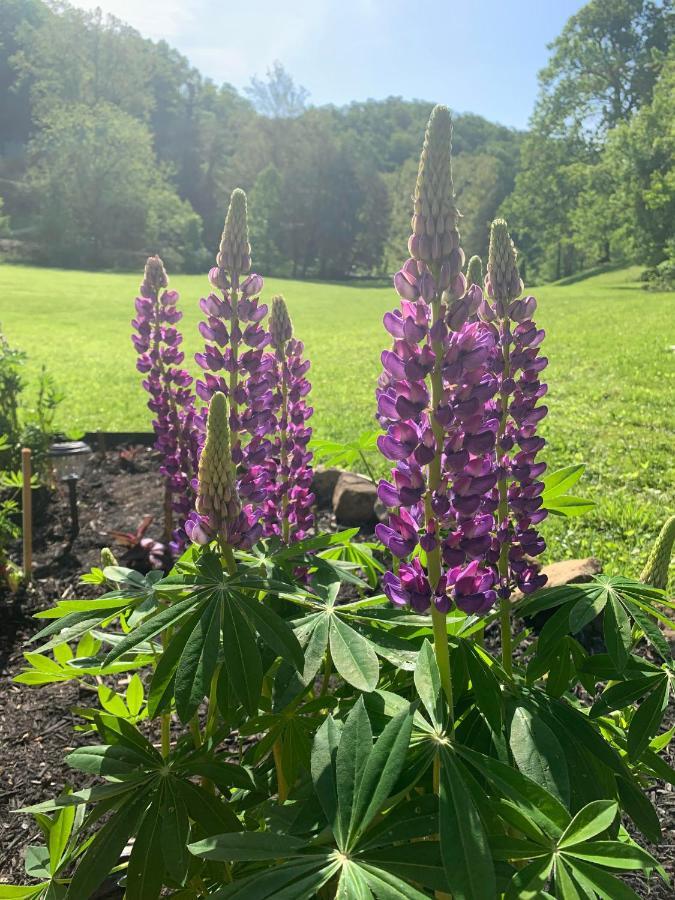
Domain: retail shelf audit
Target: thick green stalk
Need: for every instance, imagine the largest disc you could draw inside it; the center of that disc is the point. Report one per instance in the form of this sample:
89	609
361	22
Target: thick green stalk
438	619
503	512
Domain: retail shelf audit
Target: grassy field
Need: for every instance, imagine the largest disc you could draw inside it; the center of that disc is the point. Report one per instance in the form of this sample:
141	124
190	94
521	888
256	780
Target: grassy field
611	378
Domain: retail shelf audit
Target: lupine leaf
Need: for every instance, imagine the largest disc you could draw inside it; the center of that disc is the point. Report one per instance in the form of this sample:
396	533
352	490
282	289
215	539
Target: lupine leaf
619	696
274	631
617	633
637	805
163	679
538	753
529	883
246	846
153	625
198	662
413	819
419	862
603	883
382	769
242	658
464	845
589	821
387	886
647	719
145	872
324	752
486	687
353	656
428	684
104	851
356	745
614	855
315	648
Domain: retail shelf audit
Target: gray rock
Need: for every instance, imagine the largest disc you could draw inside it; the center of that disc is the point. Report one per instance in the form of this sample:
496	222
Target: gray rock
381	511
354	500
323	485
572	571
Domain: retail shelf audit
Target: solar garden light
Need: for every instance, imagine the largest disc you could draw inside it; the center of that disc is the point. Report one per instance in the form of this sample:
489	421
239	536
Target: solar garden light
69	460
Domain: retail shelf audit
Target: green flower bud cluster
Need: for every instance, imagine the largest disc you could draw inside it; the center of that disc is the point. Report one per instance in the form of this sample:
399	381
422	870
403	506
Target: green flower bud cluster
503	279
234	254
435	238
655	572
218	498
474	272
280	325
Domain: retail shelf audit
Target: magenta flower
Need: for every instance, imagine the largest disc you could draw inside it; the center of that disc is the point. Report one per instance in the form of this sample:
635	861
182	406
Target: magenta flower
157	343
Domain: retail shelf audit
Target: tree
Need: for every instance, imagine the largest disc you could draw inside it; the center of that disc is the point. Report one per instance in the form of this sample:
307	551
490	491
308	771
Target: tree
604	66
277	96
100	196
265	217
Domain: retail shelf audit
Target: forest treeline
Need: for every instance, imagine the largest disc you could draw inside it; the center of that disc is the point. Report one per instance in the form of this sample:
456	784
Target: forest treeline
113	146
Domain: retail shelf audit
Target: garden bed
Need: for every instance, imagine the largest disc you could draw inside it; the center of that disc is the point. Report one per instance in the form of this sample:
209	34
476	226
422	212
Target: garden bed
36	727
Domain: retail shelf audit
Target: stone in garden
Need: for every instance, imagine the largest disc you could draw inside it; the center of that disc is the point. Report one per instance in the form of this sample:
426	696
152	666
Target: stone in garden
572	571
381	511
323	485
354	500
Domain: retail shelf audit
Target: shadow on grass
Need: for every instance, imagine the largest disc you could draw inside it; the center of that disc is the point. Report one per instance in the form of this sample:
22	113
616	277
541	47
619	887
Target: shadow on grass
602	269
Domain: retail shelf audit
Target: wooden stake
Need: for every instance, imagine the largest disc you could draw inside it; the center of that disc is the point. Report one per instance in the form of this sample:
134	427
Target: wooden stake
27	503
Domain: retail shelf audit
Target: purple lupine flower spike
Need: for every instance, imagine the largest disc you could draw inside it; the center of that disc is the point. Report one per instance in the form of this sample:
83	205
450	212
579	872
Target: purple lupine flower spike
435	402
517	369
157	342
234	358
288	507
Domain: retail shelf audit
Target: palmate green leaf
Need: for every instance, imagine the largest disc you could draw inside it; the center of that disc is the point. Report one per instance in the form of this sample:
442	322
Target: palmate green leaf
387	886
614	855
427	680
242	658
353	656
560	481
543	808
380	773
538	753
60	832
593	879
161	689
416	818
107	760
247	846
586	610
637	805
617	633
104	851
299	548
274	631
145	870
529	883
594	818
651	630
19	892
198	662
175	828
464	846
297	879
323	766
157	623
352	883
134	695
419	862
315	648
569	506
356	745
619	696
565	884
647	719
486	687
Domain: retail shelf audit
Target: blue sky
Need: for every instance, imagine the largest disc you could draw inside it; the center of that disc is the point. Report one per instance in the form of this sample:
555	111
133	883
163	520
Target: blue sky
478	56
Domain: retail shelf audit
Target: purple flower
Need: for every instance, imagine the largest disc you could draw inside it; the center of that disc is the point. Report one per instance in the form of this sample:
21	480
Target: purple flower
158	344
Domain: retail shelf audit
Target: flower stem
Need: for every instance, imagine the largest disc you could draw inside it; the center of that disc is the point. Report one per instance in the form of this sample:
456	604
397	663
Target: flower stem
438	619
503	509
285	524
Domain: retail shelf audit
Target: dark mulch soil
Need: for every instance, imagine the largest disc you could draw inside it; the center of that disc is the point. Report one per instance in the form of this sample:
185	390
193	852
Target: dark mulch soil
37	726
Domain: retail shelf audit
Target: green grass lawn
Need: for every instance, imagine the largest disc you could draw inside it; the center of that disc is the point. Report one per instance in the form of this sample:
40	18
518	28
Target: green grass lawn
611	378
